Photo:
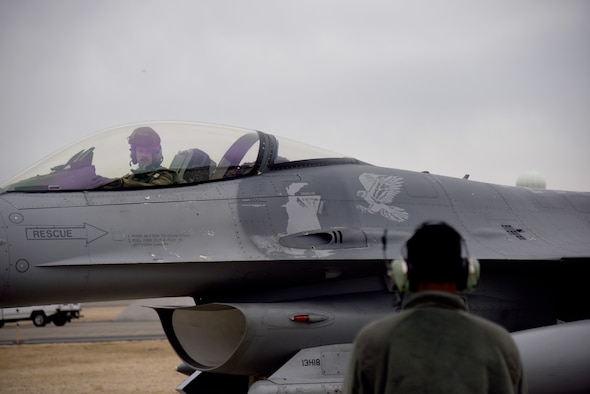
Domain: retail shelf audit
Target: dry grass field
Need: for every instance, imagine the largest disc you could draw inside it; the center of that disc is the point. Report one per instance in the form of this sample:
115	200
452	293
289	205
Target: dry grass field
103	367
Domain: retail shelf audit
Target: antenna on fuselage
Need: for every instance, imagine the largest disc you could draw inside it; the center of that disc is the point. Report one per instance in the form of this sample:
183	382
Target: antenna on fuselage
384	244
398	296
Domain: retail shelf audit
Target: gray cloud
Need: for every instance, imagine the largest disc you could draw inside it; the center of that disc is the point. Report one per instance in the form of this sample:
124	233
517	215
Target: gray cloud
490	89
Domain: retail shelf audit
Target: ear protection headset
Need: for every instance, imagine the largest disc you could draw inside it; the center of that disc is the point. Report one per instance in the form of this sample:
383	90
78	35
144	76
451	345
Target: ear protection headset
406	274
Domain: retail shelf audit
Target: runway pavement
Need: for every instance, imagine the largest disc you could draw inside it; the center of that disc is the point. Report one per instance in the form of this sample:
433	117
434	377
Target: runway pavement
81	332
134	322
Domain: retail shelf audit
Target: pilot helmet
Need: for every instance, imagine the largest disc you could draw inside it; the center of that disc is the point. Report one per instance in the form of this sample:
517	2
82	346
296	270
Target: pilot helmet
145	137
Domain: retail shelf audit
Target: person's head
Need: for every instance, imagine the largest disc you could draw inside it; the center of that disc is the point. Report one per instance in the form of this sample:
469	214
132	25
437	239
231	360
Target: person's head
434	258
145	148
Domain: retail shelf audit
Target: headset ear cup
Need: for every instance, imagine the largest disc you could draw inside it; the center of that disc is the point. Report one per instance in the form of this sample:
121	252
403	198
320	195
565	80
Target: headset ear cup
399	274
472	274
462	274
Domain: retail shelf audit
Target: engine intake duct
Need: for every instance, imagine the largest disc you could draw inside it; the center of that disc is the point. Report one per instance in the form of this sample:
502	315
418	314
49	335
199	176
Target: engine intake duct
255	339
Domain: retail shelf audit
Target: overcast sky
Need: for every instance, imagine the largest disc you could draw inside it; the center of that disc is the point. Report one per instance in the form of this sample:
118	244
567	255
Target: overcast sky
492	89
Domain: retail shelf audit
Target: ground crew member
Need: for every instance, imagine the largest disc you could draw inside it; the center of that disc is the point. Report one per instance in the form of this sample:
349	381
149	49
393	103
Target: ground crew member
434	345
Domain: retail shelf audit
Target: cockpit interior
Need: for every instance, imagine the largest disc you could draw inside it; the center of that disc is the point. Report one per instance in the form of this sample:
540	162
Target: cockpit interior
195	152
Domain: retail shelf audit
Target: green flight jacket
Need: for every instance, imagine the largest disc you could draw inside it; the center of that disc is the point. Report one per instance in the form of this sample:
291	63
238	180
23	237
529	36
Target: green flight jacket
434	346
157	177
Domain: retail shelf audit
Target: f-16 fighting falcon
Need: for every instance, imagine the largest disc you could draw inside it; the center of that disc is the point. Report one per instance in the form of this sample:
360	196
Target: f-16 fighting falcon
284	248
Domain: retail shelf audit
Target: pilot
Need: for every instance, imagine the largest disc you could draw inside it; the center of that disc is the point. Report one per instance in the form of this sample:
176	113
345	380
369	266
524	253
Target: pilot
434	345
146	152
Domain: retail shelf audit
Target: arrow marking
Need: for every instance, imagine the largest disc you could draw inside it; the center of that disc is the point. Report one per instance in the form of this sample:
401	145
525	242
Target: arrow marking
87	232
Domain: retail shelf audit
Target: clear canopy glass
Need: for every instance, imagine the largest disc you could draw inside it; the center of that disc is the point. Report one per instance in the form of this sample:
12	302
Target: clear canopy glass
195	152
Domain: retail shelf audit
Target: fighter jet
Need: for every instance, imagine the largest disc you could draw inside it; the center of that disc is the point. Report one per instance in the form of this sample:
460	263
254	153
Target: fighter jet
284	248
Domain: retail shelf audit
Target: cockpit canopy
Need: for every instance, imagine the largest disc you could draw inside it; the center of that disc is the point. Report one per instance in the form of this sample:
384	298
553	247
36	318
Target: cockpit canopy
194	152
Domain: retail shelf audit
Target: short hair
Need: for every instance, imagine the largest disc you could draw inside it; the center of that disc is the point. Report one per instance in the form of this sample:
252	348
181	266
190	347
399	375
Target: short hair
434	253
